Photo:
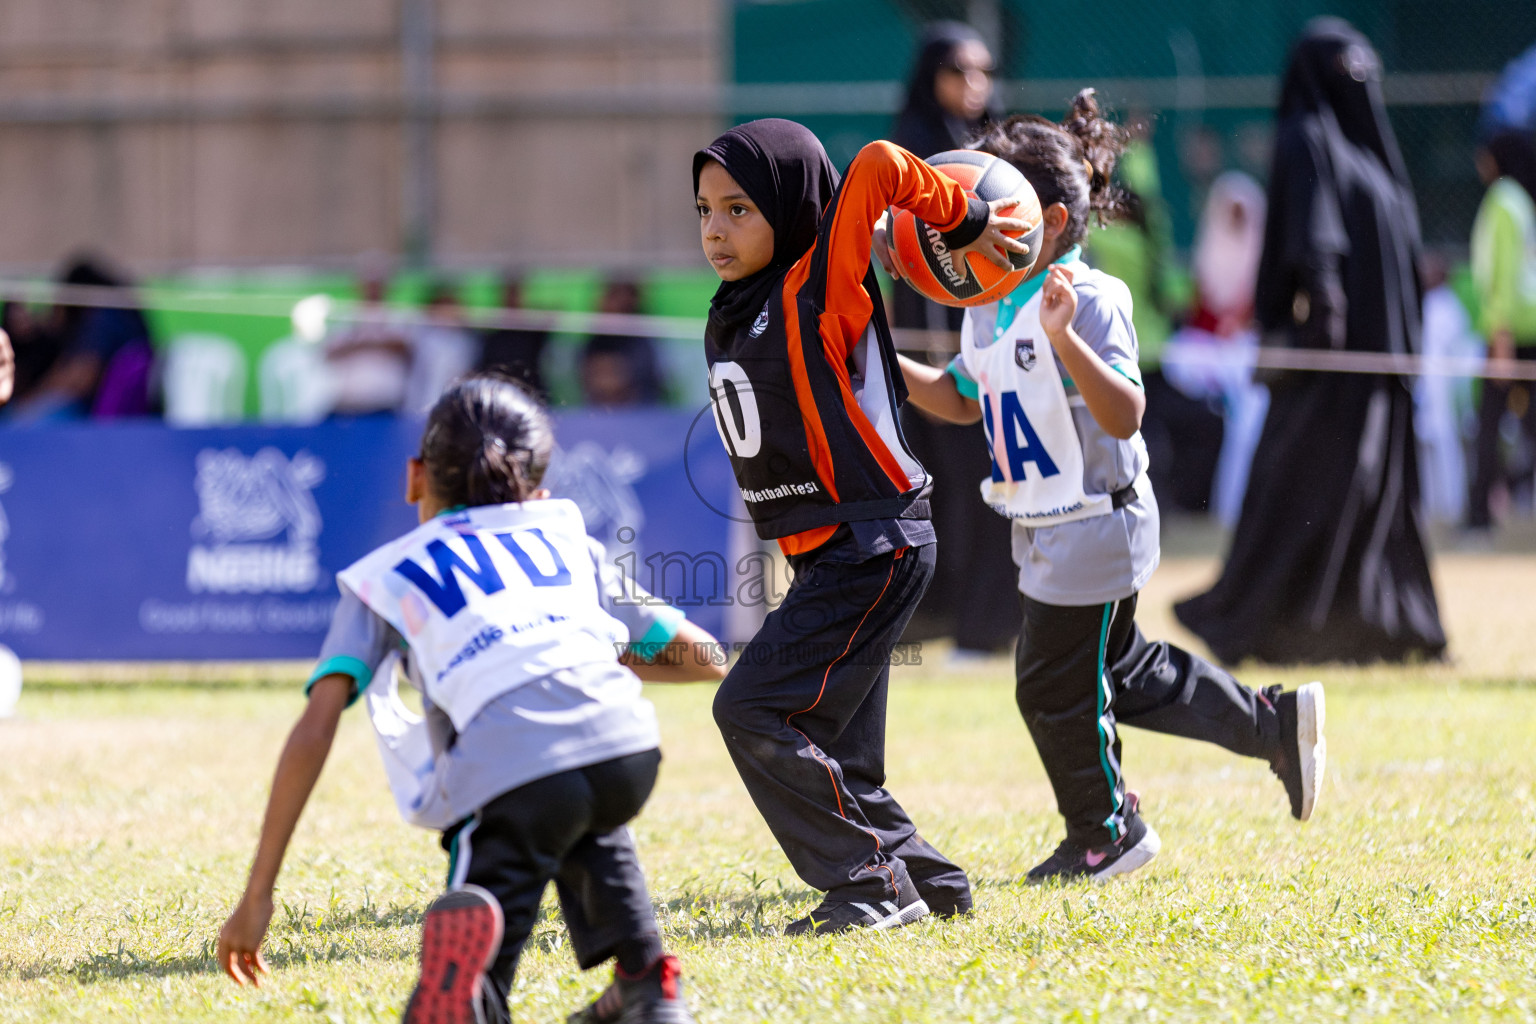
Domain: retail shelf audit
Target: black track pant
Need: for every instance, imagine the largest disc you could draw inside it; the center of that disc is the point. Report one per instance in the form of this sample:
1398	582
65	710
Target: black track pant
1499	396
803	716
1083	671
570	829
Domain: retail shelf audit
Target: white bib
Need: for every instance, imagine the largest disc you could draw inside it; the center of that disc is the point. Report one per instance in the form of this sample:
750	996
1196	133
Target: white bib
1037	457
405	747
490	598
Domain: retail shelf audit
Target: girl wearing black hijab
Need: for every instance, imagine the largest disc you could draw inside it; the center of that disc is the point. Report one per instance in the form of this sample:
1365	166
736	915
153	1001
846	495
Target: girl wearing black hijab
950	102
805	399
1328	560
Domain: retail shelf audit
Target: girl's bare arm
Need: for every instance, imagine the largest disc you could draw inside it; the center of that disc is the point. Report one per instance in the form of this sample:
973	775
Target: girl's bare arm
239	950
933	390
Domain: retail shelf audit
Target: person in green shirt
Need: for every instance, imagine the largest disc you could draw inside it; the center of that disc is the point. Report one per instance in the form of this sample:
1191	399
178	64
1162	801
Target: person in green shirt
1504	274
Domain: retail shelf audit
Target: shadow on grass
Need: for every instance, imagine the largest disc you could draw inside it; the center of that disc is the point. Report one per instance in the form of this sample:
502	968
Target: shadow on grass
298	935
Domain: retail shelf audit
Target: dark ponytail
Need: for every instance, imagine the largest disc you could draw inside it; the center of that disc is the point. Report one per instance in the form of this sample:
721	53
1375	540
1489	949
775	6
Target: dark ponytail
488	441
1070	163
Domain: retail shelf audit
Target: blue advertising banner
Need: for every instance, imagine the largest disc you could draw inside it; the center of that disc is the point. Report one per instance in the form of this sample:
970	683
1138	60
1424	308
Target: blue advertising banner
140	541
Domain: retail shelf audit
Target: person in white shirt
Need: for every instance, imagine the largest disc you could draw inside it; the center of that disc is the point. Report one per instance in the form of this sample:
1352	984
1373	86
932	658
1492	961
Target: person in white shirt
541	745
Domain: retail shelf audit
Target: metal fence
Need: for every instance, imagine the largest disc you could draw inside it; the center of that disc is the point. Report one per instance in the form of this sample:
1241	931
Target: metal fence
1203	76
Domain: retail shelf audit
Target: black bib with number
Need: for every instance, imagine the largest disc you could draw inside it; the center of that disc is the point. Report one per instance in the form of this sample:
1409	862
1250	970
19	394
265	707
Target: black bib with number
792	427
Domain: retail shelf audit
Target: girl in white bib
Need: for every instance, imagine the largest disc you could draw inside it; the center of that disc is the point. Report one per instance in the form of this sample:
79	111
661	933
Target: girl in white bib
1051	371
537	747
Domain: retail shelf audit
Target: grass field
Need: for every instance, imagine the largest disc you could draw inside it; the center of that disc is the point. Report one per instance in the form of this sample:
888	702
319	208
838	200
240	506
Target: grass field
128	815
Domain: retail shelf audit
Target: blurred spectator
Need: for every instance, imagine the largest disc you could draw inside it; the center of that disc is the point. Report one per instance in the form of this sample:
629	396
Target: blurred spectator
515	351
949	93
1504	272
35	343
442	350
370	357
1182	434
1210	359
7	368
1327	562
104	360
972	596
1442	404
1510	103
620	370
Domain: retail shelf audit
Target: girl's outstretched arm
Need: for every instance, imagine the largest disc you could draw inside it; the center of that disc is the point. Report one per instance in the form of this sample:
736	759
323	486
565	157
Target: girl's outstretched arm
239	950
885	175
933	390
693	655
1115	403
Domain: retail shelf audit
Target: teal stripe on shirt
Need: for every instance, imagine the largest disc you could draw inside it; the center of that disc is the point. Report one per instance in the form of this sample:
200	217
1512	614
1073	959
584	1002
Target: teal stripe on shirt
668	621
343	665
963	384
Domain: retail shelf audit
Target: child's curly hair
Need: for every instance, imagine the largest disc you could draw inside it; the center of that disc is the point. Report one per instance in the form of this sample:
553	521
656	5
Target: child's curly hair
1068	163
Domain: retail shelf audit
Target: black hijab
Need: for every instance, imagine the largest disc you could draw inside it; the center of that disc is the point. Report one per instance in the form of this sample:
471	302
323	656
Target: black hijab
785	171
923	126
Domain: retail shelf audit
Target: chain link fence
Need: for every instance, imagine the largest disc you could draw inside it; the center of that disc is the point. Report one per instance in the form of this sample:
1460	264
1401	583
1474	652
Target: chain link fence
1203	77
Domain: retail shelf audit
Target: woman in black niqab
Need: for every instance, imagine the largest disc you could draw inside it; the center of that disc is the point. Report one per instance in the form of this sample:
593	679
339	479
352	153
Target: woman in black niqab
925	126
972	598
1328	560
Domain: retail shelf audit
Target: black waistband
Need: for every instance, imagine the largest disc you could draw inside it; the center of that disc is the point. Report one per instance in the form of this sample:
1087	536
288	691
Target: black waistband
799	520
1123	497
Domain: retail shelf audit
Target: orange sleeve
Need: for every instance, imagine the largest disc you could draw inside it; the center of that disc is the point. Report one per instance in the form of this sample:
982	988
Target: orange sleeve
882	175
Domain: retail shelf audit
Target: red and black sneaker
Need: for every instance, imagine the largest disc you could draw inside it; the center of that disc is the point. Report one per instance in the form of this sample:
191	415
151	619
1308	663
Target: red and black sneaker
459	941
655	996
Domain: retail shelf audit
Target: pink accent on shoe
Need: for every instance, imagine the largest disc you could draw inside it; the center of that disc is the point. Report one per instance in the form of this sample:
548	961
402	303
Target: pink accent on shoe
1094	858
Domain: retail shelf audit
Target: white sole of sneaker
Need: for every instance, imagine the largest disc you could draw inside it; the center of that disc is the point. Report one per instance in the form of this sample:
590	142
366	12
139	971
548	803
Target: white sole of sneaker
1311	716
894	918
1138	856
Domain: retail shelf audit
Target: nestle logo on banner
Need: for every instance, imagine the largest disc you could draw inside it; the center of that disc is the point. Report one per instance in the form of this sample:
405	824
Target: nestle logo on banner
15	616
257	521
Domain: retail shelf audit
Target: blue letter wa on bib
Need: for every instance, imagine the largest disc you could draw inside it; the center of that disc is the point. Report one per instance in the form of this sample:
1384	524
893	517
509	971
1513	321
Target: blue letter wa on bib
1037	457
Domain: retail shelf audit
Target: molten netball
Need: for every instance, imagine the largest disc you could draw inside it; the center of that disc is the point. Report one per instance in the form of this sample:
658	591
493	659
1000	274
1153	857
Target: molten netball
926	262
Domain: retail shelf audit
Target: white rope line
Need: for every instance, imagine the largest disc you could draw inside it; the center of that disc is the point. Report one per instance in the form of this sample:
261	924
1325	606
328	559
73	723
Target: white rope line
1324	360
346	311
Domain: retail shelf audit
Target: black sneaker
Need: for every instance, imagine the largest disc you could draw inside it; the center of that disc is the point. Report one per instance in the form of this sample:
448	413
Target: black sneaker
946	903
653	997
840	915
459	941
1072	863
1303	756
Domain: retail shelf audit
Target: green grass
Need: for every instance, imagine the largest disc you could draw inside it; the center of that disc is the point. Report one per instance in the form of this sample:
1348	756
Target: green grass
128	815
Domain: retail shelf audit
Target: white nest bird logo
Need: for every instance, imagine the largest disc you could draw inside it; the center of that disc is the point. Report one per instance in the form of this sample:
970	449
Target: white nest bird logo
243	501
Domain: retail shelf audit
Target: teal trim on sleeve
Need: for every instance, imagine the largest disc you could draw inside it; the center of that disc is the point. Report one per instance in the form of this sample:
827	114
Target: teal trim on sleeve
1130	371
1009	305
343	665
668	621
963	384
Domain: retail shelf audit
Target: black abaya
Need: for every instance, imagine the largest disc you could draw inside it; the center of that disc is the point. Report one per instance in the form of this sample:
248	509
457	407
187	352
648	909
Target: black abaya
1328	559
972	596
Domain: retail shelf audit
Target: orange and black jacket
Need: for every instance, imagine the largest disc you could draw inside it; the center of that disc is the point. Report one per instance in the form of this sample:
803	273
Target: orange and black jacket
804	397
